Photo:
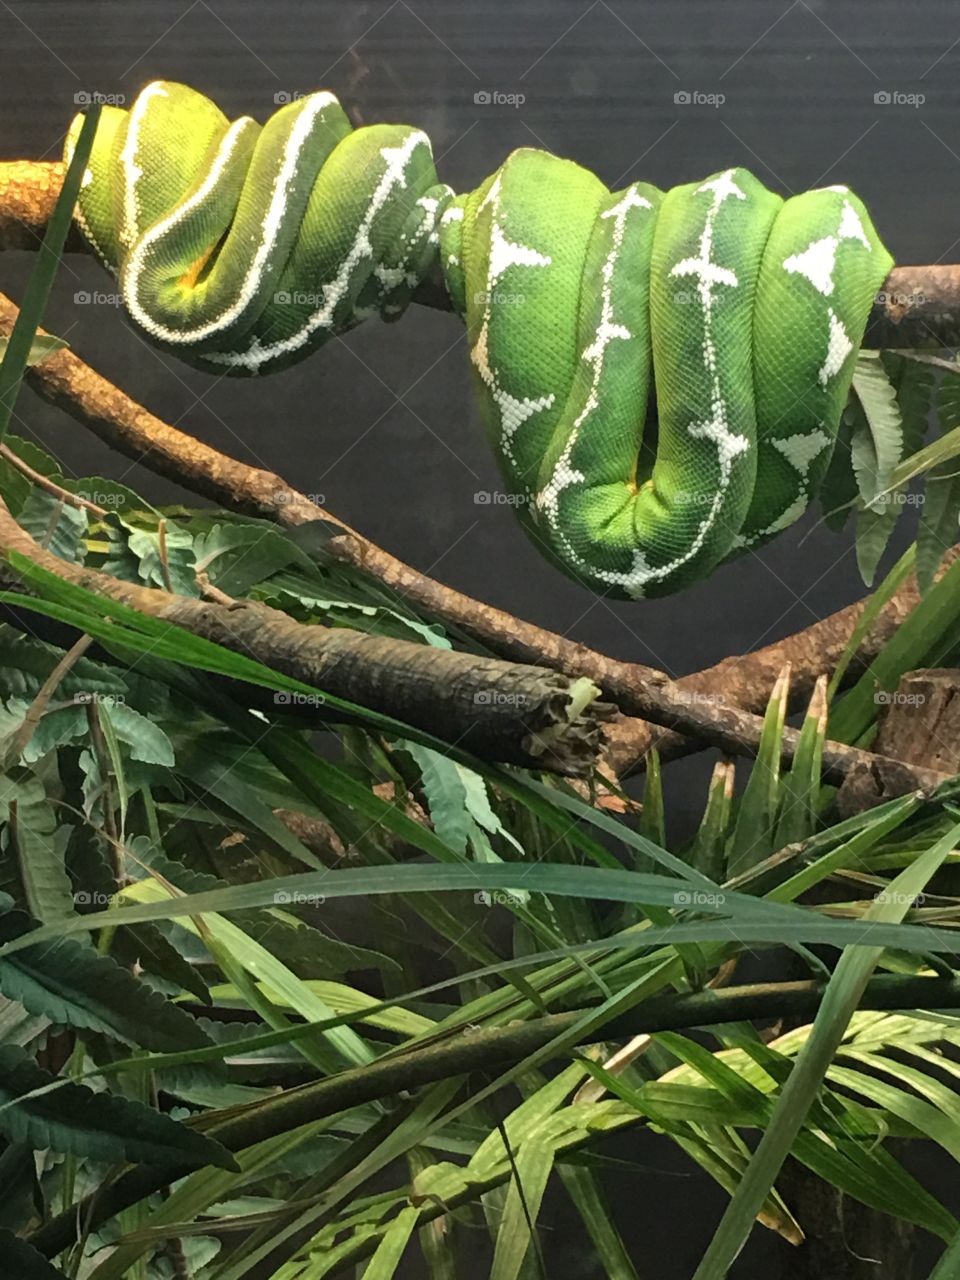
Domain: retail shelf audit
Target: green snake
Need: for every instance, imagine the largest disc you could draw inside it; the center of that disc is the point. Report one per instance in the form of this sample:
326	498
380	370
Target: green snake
242	247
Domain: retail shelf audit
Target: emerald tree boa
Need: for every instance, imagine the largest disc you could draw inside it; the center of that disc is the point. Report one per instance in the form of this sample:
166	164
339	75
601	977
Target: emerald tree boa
241	248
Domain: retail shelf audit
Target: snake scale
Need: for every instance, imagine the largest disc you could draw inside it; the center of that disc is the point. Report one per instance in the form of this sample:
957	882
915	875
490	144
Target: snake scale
242	247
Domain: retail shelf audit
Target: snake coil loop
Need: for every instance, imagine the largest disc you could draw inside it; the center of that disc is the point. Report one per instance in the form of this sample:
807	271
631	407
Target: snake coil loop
242	248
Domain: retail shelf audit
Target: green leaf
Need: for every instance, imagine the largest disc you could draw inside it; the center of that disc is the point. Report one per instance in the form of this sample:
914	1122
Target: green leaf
146	740
878	433
868	616
532	1165
73	985
55	524
652	815
163	551
876	449
39	846
800	790
235	556
875	526
917	642
843	993
756	814
98	1126
226	778
939	525
459	805
389	1252
16	356
838	493
948	1268
43	345
708	853
244	955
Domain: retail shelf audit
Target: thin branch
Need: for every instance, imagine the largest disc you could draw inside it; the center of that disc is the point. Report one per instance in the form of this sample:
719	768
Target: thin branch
20	740
493	1047
48	485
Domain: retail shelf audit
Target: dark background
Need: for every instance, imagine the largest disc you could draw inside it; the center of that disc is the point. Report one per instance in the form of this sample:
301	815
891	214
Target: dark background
382	423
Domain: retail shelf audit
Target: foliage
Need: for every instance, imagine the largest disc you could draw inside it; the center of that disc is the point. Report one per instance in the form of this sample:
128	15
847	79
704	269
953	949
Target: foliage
183	968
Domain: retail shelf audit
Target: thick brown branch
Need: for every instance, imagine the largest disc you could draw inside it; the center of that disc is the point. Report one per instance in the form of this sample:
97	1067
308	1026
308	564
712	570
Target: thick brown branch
518	714
498	710
747	681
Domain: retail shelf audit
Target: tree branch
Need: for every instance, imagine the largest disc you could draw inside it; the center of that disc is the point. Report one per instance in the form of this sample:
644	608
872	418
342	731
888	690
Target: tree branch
491	1048
500	711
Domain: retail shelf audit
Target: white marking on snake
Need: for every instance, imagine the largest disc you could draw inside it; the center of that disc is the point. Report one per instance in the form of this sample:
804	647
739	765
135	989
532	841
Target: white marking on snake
504	253
730	445
132	173
394	174
851	228
565	475
272	223
839	347
801	450
816	263
78	215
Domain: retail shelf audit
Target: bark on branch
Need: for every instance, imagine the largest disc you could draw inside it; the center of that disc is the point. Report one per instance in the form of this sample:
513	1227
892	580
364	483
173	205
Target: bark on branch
498	710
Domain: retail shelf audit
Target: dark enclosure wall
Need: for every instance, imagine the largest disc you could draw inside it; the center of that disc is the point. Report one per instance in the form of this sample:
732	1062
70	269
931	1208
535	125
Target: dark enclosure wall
382	423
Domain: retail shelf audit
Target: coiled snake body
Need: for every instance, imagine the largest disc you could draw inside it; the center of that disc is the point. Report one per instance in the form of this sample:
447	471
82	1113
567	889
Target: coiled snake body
242	248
